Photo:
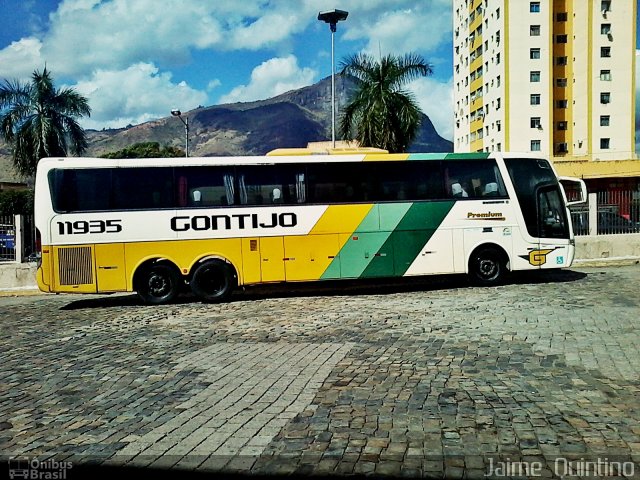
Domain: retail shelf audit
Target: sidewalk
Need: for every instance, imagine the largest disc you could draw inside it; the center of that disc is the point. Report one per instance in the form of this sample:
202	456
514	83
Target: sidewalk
17	277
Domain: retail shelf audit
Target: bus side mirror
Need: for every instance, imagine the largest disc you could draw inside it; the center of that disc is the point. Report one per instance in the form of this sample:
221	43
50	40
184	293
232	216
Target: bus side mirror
575	190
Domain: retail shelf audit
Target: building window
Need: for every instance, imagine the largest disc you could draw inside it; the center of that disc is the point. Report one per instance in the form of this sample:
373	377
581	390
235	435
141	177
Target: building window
499	147
535	145
605	75
534	53
534	7
561	82
498	125
561	148
605	28
498	81
562	125
605	6
562	103
497	58
605	52
497	13
535	99
534	30
605	120
605	143
534	76
605	97
535	122
562	60
498	104
561	17
561	39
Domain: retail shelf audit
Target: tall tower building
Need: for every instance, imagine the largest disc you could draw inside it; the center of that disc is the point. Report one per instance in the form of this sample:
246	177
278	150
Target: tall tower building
548	76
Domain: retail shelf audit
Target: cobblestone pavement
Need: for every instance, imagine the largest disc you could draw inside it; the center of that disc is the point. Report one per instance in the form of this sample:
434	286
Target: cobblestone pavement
420	377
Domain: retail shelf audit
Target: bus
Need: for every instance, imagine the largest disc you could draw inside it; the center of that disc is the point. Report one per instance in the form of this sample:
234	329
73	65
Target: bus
159	227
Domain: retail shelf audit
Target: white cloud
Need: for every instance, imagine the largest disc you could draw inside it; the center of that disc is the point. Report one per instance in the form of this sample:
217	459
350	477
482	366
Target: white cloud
19	59
134	95
213	84
409	26
436	101
85	35
273	77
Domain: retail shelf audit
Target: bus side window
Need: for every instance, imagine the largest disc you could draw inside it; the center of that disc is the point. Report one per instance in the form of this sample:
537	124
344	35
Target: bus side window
204	187
269	185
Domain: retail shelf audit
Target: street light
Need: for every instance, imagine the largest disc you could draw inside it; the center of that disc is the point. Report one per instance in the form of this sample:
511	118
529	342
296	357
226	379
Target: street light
177	113
332	17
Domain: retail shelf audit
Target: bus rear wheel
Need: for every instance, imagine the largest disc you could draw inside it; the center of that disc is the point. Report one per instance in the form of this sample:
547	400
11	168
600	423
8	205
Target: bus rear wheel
158	284
214	281
487	266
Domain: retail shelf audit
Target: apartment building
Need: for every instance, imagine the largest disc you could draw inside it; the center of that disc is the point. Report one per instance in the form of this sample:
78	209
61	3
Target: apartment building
548	76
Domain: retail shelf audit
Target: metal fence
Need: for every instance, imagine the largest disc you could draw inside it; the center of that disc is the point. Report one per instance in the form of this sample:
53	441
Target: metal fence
607	213
18	238
7	238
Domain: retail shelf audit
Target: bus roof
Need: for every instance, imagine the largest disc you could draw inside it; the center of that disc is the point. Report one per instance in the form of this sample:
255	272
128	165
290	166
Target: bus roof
86	162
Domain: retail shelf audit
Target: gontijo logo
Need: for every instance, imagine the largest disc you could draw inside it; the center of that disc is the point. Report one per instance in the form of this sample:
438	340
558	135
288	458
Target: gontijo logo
538	257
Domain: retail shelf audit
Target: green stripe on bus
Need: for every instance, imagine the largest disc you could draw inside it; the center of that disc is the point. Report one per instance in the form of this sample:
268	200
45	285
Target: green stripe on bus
366	240
467	156
427	156
412	233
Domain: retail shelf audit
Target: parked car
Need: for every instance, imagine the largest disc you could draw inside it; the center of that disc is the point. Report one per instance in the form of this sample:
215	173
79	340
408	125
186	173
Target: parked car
608	223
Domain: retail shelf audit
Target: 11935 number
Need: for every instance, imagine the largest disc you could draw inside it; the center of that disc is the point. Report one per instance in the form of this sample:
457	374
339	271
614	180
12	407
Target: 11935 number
80	227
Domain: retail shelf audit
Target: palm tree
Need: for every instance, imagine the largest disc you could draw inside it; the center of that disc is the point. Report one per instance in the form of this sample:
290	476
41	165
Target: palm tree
39	121
381	112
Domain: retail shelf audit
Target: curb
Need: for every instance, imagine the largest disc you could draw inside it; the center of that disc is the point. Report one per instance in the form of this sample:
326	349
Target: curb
606	262
20	292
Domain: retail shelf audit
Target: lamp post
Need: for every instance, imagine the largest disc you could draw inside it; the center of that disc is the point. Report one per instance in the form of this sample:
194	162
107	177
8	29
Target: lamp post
177	113
332	17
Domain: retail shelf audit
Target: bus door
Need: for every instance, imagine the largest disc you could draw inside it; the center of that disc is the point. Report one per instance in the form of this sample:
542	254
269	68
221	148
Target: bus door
272	259
110	267
554	250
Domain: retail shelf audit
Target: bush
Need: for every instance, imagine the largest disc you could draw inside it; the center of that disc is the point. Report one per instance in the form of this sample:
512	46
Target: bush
16	202
145	150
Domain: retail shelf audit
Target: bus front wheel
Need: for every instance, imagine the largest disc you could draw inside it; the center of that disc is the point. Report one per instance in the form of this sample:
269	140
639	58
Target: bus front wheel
213	281
158	284
487	266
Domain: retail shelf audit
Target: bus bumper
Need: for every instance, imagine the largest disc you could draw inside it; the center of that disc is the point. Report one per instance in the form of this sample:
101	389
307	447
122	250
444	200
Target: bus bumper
43	274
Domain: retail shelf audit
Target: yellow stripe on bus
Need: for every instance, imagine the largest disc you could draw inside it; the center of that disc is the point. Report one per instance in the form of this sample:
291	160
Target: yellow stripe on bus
385	157
309	256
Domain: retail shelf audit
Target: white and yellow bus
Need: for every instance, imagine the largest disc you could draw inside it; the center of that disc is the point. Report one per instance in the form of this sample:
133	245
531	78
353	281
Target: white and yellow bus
158	226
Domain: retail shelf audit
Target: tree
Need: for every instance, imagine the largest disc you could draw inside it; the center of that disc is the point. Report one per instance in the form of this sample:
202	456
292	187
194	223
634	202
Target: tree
38	120
145	150
381	113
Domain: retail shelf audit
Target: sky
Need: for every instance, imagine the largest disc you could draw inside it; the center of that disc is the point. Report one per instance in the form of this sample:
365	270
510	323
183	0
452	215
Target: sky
136	60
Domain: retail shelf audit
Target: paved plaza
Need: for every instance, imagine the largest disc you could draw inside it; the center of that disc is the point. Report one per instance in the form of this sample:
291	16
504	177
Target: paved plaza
423	377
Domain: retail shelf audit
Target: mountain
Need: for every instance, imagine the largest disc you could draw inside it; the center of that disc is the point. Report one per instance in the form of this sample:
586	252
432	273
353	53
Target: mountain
289	120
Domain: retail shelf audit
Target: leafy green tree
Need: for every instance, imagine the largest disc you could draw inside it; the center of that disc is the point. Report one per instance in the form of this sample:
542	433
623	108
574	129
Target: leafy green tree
381	113
16	202
38	120
146	150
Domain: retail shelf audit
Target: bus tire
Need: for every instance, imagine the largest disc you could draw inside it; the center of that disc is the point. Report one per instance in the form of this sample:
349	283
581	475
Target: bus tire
487	266
158	283
214	281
